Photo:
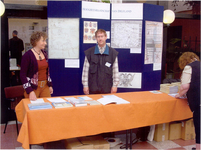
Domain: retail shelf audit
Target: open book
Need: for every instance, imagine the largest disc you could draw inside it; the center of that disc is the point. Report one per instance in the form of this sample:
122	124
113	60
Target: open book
112	99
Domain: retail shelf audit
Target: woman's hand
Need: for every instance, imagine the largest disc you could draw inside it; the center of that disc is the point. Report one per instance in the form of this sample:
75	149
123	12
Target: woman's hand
177	96
51	90
32	96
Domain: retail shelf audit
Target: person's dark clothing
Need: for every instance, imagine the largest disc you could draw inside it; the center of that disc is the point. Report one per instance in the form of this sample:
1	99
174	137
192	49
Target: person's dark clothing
193	96
196	121
16	46
100	71
29	71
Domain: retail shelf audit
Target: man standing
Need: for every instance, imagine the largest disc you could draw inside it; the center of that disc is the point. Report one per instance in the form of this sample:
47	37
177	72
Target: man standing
16	46
100	71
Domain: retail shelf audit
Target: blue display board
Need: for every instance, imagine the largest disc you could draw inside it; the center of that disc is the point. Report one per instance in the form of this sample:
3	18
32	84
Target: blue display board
67	81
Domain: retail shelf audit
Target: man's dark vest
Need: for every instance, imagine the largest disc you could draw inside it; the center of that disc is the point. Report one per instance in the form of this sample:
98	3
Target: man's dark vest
100	71
193	93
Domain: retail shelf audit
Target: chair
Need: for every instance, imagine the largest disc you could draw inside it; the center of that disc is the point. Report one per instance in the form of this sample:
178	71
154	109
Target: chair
14	95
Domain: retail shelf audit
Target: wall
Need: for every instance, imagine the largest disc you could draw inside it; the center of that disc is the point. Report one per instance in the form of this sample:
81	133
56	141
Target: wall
25	28
12	13
190	29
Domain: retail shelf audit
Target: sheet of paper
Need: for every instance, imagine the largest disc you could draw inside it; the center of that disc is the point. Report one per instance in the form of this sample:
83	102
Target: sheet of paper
174	94
72	63
37	101
156	92
70	98
56	100
106	101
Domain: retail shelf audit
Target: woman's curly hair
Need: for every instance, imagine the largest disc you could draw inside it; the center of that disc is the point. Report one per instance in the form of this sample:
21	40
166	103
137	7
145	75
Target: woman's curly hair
186	58
36	36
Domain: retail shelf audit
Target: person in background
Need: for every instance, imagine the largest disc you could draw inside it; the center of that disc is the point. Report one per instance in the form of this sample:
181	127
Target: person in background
34	72
16	46
100	70
190	85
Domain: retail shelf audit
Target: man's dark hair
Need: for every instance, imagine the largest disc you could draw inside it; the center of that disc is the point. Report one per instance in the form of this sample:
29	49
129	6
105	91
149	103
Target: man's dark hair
15	32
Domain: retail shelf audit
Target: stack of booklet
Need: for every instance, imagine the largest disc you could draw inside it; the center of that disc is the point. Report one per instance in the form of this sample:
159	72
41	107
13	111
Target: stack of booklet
59	102
76	102
36	106
62	104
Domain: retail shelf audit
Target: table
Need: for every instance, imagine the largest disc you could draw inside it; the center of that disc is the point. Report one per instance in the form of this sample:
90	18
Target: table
145	109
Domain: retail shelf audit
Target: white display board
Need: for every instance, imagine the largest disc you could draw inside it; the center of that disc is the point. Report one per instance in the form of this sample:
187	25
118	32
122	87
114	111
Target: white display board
127	11
95	10
63	38
130	80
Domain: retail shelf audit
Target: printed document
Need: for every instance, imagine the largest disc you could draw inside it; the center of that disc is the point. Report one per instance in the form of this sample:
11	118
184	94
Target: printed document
56	100
37	101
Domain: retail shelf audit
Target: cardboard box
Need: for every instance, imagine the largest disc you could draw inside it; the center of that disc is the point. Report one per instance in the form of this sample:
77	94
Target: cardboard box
161	132
89	142
188	130
174	131
74	143
177	84
98	142
169	88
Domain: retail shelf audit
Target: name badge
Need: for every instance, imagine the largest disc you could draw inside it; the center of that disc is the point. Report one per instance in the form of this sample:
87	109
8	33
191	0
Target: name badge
107	64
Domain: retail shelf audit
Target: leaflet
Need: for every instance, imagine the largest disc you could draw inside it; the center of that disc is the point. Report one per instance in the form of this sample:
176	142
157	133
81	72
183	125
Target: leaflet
56	99
37	101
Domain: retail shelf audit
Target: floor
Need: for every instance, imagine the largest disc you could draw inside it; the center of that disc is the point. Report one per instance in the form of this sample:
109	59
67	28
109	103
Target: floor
9	141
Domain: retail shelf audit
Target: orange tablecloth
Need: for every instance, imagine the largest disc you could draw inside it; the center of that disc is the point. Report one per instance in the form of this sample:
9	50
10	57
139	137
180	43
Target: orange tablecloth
145	108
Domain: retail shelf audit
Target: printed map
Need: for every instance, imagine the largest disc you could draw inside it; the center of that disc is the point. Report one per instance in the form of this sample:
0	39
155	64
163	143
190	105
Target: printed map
126	34
63	38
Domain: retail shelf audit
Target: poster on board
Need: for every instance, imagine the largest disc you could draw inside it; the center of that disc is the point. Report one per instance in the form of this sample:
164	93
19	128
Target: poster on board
90	27
130	80
126	34
63	38
153	44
